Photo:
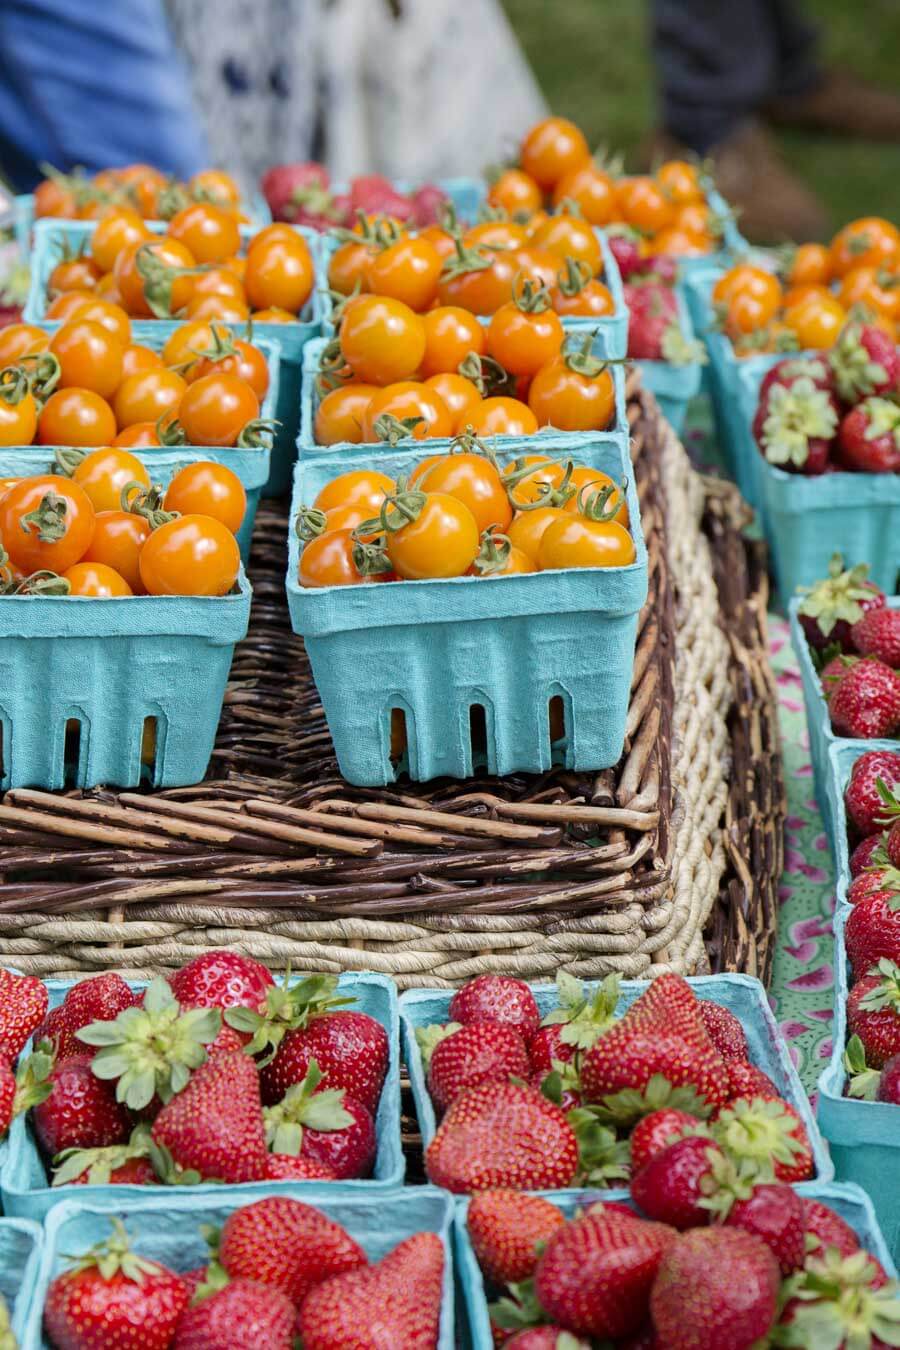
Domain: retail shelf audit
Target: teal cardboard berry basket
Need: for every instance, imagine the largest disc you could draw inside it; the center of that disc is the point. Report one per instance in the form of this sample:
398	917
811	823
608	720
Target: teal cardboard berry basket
674	386
851	1203
740	994
842	755
291	337
307	445
21	1243
818	721
27	1193
114	691
167	1229
463	656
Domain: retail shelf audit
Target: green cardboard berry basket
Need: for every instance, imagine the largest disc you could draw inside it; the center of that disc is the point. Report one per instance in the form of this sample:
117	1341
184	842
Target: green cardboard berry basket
505	646
23	1177
851	1203
290	337
740	994
167	1229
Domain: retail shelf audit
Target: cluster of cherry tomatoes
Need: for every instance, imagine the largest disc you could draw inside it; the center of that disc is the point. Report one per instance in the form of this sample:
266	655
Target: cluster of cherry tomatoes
89	384
99	527
197	269
392	373
667	211
462	514
856	275
141	187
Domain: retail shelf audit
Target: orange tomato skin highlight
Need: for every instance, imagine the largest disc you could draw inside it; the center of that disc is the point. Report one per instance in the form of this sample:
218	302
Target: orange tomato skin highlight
193	555
96	580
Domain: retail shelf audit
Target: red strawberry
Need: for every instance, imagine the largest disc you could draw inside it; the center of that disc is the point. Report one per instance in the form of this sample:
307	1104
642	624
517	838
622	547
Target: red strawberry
892	847
98	999
506	1228
215	1125
123	1164
830	608
479	1052
863	856
795	427
395	1303
497	998
652	312
625	246
670	1003
287	1245
725	1031
847	1297
548	1045
766	1131
878	634
866	807
222	979
545	1338
865	362
81	1111
629	1056
286	186
114	1298
305	1022
869	437
746	1080
790	369
661	267
324	1125
428	204
672	1185
582	1017
23	1006
226	1039
828	1229
873	1013
25	1087
501	1135
872	931
596	1273
136	1172
715	1288
833	672
884	881
284	1167
243	1312
568	1097
776	1214
656	1131
866	703
889	1083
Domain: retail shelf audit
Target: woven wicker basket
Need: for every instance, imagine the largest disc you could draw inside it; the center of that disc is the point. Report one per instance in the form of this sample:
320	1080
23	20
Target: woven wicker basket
275	855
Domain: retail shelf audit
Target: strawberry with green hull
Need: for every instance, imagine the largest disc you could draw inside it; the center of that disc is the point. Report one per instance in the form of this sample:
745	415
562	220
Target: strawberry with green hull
655	1132
507	1230
214	1127
864	799
880	881
866	703
715	1289
23	1007
795	427
872	932
869	437
545	1338
673	1185
873	1012
117	1164
786	372
824	1228
222	979
765	1133
98	999
27	1086
864	855
286	1245
323	1125
865	362
467	1056
840	1303
829	609
243	1312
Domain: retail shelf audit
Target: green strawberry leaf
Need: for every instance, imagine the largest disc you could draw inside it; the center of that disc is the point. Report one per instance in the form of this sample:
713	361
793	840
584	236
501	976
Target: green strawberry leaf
429	1038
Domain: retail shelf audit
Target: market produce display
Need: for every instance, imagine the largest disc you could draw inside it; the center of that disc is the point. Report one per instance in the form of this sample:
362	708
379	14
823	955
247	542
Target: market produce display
140	188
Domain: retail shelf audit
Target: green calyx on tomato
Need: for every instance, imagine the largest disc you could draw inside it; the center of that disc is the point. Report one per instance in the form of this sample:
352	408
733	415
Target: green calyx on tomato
582	360
399	508
487	375
494	552
47	520
464	260
257	434
391	429
602	504
468	443
309	523
158	278
66	459
532	297
147	502
36	374
547	493
576	276
169	430
370	556
332	366
173	197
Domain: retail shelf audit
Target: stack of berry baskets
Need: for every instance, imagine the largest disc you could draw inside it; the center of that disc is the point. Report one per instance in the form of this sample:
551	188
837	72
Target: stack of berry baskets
316	1104
154	275
859	1092
846	635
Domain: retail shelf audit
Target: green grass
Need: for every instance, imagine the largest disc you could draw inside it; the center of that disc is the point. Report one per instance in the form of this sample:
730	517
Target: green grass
592	59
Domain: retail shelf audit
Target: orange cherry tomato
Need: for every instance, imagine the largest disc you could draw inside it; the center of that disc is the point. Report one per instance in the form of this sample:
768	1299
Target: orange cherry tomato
327	560
358	487
527	529
173	293
89	357
215	409
692	217
443	540
146	396
496	234
794	294
52	199
382	339
562	397
348	267
592	190
96	580
63	306
91	210
586	482
109	316
73	274
118	229
208	489
211	234
868	242
218	282
214	185
21	339
460	396
246	361
67	516
345	517
237	264
644	204
474	481
407	270
523	341
339	417
870	287
482	287
567	236
140	435
273	315
502	416
747	279
680	180
516	563
279	273
183	344
451	334
192	555
682	243
118	539
144	187
538	265
77	417
18	421
221	308
816	320
579	296
107	289
515	192
810	265
138	357
442	242
407	399
580	542
552	149
104	474
531	487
